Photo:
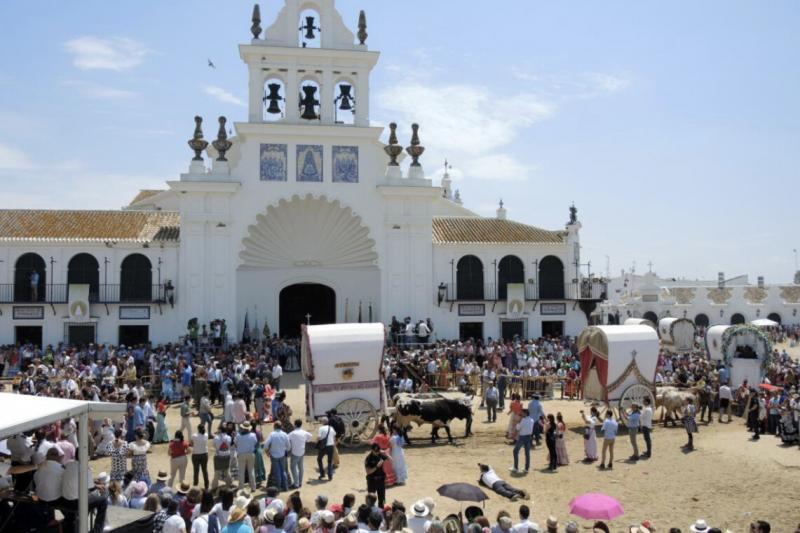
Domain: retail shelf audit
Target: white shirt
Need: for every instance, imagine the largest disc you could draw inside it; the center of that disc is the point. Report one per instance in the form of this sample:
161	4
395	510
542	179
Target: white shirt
526	525
200	524
646	419
406	385
489	478
174	524
69	482
725	393
48	480
199	443
222	444
297	442
525	426
277	371
330	432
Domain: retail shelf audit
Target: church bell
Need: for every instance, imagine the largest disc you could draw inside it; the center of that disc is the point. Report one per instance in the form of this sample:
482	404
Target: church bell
308	102
345	97
309	27
273	98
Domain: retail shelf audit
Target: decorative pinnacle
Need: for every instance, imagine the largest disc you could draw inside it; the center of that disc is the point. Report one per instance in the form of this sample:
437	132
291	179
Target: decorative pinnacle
415	149
255	29
222	144
197	143
501	203
393	149
362	27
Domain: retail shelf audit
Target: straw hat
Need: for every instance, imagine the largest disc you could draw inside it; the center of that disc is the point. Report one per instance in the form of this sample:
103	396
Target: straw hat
237	514
162	476
303	524
139	489
420	509
699	527
351	520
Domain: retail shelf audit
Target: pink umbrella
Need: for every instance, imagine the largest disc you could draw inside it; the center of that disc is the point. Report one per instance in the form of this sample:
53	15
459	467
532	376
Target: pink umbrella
595	505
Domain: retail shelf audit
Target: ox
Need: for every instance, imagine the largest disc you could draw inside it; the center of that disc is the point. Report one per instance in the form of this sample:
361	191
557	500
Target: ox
672	399
438	413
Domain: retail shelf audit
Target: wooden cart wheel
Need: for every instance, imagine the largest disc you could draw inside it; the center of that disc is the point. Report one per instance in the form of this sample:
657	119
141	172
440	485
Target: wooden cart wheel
634	394
360	421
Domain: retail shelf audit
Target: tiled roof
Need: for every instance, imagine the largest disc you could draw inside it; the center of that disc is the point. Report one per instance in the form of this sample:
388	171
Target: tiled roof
478	230
144	194
74	225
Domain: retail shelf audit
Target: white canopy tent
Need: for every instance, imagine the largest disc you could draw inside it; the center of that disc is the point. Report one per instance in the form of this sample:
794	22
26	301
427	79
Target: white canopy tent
764	323
23	413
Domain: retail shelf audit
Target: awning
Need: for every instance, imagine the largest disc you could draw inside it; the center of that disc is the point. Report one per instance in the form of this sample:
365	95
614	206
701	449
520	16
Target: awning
764	323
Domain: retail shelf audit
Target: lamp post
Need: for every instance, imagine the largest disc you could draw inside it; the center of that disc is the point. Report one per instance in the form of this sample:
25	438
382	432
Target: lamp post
452	275
52	262
441	294
496	288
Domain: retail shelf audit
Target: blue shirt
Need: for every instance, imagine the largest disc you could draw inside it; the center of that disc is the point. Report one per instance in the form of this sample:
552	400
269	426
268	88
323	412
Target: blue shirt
186	377
609	429
138	417
535	409
277	444
246	442
633	420
238	527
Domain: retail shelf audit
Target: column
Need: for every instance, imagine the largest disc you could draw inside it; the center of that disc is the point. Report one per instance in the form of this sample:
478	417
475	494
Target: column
362	99
256	112
327	91
292	95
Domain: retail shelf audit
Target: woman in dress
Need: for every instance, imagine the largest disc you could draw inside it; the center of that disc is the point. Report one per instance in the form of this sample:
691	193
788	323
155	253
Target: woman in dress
105	436
161	434
590	434
550	440
138	452
689	422
515	416
118	450
284	414
259	468
382	440
787	424
561	442
398	455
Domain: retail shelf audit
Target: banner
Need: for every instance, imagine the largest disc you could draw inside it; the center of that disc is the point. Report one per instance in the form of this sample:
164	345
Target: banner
79	302
515	300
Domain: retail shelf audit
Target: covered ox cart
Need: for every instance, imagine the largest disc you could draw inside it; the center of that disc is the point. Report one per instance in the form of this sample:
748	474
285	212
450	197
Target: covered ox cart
618	364
639	322
677	334
342	365
744	349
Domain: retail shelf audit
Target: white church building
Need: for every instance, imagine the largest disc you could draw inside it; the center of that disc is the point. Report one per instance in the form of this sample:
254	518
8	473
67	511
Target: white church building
302	215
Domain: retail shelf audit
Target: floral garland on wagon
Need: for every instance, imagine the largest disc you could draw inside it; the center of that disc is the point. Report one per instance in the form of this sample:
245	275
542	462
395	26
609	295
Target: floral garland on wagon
747	328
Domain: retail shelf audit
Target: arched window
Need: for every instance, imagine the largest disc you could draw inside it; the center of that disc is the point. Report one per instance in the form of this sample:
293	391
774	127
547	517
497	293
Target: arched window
83	268
775	317
30	278
274	100
309	28
344	103
652	317
469	278
736	319
510	270
135	279
551	278
701	320
309	103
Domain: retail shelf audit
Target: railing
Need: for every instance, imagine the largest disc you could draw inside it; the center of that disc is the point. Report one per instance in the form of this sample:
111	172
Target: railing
58	293
569	291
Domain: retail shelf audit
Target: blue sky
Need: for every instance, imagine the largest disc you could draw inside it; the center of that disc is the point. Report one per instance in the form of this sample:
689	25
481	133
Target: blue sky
673	126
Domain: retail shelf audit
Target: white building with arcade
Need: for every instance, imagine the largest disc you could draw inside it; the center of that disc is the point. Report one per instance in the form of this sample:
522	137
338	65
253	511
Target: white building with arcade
301	215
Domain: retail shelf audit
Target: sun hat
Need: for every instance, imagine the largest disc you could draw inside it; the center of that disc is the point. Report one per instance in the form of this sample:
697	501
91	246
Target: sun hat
303	524
552	521
269	515
242	500
420	509
184	488
139	489
351	520
102	478
246	426
699	526
327	517
237	514
162	476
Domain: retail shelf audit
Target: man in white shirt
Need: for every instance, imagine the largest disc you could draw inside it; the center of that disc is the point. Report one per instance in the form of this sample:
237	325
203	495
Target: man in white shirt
646	424
277	372
222	460
406	383
525	525
326	437
423	332
725	400
524	440
297	445
491	480
421	516
69	498
49	476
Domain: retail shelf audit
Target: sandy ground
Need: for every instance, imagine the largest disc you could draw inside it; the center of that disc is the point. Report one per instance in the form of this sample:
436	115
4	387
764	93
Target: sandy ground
728	480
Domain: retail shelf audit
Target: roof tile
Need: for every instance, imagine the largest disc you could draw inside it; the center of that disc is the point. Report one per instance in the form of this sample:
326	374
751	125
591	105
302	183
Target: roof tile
478	230
76	225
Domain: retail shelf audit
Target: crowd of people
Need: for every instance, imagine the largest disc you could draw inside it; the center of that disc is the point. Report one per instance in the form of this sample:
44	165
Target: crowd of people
244	382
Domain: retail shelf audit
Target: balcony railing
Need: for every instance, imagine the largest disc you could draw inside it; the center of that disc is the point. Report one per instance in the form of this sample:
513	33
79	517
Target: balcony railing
58	293
569	291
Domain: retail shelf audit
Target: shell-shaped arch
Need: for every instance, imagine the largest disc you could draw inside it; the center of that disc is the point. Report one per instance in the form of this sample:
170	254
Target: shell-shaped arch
308	231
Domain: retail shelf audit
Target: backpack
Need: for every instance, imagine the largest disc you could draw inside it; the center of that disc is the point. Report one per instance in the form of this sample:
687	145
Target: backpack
338	425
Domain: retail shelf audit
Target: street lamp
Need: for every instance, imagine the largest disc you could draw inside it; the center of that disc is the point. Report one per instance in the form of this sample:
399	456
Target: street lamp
442	293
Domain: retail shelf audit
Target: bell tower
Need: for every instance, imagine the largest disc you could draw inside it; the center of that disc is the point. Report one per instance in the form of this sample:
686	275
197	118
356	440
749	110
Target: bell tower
308	68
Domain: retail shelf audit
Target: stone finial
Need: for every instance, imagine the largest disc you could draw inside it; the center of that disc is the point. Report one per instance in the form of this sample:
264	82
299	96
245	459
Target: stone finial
573	214
222	144
457	198
362	27
393	149
501	211
415	149
255	29
197	143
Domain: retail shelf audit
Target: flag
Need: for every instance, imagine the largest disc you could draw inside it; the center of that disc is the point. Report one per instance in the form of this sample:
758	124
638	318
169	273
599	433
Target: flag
256	332
246	330
359	311
370	312
346	313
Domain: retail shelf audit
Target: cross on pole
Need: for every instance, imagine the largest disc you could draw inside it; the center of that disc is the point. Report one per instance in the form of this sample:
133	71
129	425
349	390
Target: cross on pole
308	319
650	266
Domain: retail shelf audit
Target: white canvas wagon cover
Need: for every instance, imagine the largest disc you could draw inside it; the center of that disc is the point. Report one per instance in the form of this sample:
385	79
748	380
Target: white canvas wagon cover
639	322
714	337
622	356
677	333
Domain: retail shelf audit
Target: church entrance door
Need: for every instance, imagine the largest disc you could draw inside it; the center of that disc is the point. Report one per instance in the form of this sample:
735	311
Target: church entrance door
305	303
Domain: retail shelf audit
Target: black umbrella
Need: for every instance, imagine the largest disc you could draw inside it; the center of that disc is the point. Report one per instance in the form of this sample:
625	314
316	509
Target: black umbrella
462	492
